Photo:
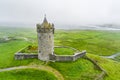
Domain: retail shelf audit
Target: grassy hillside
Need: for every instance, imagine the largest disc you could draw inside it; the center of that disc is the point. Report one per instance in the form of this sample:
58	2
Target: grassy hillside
112	67
81	69
95	42
27	74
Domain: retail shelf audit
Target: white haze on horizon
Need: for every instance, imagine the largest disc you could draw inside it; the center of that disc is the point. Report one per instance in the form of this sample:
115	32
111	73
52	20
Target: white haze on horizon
59	12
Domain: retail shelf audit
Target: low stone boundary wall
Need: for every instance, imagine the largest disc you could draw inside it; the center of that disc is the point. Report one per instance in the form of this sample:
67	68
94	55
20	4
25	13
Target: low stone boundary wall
53	57
19	56
102	74
74	57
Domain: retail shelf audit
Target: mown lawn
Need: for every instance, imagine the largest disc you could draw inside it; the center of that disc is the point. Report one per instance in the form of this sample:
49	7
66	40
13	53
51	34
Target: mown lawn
27	74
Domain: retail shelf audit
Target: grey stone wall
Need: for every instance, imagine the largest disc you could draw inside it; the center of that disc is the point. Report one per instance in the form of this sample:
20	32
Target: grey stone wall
55	57
52	57
74	57
20	56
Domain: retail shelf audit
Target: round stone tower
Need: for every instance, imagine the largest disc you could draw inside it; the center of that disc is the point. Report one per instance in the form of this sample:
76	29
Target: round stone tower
45	33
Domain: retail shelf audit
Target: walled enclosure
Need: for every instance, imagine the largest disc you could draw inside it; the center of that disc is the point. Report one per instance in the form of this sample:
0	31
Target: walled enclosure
52	57
45	34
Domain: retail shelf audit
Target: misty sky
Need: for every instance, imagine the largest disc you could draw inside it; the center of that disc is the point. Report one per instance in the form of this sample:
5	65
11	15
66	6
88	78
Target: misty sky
68	12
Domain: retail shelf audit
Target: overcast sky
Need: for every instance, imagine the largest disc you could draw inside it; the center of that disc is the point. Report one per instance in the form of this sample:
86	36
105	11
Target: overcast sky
68	12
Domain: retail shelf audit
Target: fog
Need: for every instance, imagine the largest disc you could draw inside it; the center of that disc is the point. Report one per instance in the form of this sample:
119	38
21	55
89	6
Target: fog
59	12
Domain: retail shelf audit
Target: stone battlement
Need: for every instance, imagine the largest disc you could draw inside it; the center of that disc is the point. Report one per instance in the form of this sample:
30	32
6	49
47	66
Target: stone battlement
45	30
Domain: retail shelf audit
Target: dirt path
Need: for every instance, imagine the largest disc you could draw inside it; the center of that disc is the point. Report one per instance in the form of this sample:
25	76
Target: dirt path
39	67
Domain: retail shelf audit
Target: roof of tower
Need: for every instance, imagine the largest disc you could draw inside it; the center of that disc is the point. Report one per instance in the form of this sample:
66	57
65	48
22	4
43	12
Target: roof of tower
45	19
45	23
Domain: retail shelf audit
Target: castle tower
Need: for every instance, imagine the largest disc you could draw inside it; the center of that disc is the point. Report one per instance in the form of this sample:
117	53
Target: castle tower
45	33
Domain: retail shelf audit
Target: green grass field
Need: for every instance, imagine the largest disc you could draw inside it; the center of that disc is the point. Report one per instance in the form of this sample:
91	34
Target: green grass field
27	74
57	50
96	43
80	69
112	67
7	51
64	51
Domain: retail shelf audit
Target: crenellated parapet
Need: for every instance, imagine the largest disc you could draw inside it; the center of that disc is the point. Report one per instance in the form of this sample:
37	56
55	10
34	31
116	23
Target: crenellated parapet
48	29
